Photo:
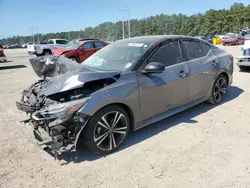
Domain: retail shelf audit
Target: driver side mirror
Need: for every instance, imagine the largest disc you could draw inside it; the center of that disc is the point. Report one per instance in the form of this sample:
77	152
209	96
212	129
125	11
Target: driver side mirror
154	67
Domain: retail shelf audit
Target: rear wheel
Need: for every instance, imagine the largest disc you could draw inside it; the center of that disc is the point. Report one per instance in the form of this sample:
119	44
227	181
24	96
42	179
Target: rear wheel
107	130
219	90
47	53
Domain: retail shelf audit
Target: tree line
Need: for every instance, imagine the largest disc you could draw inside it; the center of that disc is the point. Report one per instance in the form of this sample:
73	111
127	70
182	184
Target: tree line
211	22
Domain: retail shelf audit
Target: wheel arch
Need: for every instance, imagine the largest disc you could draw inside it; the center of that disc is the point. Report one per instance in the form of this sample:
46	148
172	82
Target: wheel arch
125	107
75	57
224	74
122	105
47	50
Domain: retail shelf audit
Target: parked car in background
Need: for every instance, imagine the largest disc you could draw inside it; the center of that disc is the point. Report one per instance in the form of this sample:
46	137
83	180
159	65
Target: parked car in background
245	31
46	49
125	86
247	37
2	55
244	58
233	40
80	49
208	38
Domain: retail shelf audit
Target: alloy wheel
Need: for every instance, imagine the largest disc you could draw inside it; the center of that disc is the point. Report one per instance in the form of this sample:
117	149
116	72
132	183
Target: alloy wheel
110	131
220	89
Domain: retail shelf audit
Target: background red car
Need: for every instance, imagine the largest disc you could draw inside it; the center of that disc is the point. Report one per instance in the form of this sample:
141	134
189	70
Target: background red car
233	40
2	55
80	49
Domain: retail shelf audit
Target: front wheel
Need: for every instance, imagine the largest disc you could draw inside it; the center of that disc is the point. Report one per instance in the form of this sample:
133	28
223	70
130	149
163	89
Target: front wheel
107	130
219	90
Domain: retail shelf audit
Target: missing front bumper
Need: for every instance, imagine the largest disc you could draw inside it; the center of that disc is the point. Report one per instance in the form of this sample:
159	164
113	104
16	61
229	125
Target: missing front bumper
42	139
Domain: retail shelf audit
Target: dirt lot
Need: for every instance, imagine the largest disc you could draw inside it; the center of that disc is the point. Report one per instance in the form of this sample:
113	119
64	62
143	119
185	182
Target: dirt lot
205	146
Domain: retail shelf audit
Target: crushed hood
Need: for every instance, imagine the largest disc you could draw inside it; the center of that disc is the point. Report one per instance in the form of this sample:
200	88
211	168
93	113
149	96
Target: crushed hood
64	74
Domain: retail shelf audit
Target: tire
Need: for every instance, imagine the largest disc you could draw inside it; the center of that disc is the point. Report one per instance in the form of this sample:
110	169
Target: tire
46	53
103	139
219	90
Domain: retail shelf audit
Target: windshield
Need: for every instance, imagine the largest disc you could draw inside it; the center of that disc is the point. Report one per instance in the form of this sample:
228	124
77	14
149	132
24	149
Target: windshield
116	57
73	44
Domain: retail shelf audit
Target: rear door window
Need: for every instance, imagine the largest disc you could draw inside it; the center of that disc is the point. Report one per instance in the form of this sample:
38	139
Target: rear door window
168	54
205	48
193	49
88	45
61	42
98	44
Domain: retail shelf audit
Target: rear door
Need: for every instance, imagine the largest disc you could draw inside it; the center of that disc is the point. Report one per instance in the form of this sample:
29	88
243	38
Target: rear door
86	50
203	67
162	92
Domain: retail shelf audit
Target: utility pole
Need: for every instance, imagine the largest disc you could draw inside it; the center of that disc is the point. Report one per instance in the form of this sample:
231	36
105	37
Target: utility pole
123	33
123	30
34	30
129	24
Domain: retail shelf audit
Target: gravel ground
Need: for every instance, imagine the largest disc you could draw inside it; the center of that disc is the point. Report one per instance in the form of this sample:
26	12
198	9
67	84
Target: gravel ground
205	146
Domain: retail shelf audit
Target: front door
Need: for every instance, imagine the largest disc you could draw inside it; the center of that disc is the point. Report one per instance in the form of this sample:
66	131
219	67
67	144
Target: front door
86	51
163	91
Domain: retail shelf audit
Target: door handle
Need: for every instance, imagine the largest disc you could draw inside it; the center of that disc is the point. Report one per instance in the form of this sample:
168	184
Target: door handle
215	63
183	74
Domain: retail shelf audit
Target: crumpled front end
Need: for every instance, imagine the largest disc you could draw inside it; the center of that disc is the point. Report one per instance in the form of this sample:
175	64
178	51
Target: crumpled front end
52	123
54	102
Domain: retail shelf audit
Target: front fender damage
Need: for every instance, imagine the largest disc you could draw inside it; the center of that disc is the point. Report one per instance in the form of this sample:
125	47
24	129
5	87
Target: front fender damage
55	119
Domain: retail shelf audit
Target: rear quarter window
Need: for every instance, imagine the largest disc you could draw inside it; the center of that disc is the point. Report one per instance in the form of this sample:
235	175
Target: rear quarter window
205	48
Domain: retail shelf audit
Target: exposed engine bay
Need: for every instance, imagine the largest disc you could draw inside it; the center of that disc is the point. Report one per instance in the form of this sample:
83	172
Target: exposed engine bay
53	102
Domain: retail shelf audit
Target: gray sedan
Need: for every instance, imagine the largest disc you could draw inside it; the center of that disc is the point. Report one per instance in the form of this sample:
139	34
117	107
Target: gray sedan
125	86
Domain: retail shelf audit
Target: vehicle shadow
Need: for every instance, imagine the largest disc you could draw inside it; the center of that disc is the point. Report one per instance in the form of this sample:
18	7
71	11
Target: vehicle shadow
136	137
13	67
8	61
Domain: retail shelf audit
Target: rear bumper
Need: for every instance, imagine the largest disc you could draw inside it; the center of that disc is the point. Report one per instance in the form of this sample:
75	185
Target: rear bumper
3	59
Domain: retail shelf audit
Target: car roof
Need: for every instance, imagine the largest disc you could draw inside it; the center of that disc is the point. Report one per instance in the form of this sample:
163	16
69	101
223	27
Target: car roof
85	39
154	38
89	40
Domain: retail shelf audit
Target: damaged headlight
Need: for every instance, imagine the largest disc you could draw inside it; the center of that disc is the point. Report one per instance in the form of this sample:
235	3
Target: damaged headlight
60	110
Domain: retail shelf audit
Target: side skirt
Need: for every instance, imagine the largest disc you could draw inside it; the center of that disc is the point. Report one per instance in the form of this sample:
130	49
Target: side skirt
169	113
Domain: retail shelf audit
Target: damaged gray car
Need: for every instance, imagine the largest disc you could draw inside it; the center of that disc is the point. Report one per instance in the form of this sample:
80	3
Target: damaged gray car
123	87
